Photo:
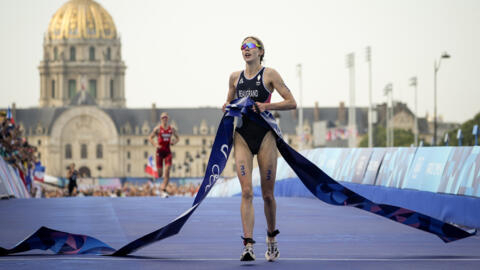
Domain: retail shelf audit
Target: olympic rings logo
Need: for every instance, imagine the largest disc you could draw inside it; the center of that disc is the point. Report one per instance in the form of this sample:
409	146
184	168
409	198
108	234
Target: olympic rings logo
215	174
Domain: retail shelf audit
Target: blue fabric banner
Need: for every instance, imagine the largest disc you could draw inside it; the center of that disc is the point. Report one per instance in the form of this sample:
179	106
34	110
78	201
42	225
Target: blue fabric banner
317	182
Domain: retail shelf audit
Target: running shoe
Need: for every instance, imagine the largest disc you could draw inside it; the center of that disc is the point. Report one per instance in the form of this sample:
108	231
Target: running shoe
163	194
272	252
247	254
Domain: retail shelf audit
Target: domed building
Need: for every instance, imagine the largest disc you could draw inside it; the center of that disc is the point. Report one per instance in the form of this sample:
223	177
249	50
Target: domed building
82	116
82	52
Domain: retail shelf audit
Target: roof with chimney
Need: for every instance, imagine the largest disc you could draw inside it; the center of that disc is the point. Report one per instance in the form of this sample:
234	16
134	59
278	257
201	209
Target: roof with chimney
37	121
185	119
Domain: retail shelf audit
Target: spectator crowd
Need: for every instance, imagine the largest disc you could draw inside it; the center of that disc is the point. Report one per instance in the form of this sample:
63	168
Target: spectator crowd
127	190
14	148
17	152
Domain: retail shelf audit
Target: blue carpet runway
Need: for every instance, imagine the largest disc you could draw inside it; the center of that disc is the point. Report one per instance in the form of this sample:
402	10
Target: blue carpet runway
314	235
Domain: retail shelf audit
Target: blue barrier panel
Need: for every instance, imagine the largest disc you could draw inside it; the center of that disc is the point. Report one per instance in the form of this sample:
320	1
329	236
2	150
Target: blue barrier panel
470	175
454	170
427	168
12	181
451	177
5	188
373	166
394	167
343	167
446	207
327	159
360	160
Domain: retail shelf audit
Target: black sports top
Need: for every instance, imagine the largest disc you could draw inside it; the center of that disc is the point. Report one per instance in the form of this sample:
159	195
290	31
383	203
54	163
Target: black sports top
254	87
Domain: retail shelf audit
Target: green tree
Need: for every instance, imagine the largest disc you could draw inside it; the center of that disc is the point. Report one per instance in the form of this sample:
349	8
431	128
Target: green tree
466	127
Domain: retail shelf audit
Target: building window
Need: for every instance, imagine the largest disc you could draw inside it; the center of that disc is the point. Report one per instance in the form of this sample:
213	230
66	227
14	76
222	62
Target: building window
109	54
91	54
187	141
72	85
145	154
128	141
204	141
39	142
55	53
53	88
204	166
145	142
72	53
173	154
99	151
39	156
68	151
83	151
111	89
92	88
128	155
129	168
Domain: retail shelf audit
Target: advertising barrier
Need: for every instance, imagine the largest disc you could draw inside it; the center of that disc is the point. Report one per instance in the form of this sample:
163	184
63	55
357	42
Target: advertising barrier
11	185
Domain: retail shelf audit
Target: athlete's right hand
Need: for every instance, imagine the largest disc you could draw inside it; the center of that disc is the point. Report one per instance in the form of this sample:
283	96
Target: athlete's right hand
224	106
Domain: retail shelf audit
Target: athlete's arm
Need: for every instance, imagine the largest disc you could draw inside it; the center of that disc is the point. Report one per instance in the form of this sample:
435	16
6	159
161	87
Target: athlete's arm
175	135
152	136
231	88
273	78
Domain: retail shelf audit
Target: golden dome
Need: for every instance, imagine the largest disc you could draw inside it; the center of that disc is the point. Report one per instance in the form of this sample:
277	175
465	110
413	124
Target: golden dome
81	19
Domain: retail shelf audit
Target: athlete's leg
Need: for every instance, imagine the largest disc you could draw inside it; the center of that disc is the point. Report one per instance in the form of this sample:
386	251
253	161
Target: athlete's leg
166	178
168	164
244	164
267	164
159	163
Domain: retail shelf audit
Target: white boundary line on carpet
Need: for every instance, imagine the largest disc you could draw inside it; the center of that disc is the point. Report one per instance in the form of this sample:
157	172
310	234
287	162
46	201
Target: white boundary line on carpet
61	257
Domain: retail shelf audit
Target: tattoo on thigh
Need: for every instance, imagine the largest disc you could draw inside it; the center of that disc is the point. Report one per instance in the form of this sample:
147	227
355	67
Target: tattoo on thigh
242	170
269	174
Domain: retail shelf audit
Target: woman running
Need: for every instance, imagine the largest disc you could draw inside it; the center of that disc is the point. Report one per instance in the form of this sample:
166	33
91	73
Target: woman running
258	83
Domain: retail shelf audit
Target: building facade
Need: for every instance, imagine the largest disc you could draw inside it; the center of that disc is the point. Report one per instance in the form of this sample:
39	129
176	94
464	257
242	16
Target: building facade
82	116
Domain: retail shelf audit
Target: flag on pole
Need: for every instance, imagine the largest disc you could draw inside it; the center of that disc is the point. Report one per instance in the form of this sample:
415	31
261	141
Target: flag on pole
151	167
39	172
10	116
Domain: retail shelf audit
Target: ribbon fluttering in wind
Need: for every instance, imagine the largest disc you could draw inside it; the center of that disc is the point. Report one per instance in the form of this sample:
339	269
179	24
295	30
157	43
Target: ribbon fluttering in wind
319	183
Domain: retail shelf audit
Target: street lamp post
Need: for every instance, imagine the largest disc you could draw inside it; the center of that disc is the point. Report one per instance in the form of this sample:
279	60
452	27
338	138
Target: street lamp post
436	67
414	83
368	55
352	110
388	92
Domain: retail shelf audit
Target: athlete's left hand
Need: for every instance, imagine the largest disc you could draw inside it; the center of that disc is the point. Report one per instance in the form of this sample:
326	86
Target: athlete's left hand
261	106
